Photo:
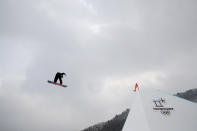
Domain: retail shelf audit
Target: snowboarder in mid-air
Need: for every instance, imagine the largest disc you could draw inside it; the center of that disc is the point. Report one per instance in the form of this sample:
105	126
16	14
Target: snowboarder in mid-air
59	76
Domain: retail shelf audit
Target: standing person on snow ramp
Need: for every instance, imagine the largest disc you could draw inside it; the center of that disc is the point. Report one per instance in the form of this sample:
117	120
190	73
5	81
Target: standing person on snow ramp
59	77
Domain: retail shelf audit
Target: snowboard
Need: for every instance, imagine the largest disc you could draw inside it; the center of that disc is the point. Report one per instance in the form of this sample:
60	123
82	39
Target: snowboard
57	84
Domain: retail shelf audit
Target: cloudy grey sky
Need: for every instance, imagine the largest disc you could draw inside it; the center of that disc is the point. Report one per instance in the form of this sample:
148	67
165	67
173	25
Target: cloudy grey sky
104	46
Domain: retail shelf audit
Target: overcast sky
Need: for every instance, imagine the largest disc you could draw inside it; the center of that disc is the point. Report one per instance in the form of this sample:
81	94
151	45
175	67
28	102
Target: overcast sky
104	47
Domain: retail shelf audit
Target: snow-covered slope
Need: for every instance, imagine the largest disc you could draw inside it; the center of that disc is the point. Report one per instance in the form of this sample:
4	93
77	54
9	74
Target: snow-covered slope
156	110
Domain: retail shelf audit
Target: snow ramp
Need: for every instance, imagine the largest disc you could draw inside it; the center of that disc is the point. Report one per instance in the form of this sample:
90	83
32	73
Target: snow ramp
156	110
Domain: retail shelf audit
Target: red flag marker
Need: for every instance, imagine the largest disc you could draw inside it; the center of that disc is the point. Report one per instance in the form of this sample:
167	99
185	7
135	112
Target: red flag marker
136	86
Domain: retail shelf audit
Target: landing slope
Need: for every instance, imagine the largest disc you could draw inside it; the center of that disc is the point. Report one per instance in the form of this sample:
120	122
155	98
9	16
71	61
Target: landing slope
157	110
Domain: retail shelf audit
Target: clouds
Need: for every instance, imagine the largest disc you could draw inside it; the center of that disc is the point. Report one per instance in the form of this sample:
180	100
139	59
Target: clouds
103	46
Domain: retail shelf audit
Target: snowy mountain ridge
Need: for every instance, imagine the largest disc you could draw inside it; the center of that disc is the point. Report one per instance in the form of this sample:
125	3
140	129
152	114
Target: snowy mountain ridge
115	124
190	95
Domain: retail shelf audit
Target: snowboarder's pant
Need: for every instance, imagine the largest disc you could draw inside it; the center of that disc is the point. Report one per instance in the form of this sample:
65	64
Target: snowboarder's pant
58	76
